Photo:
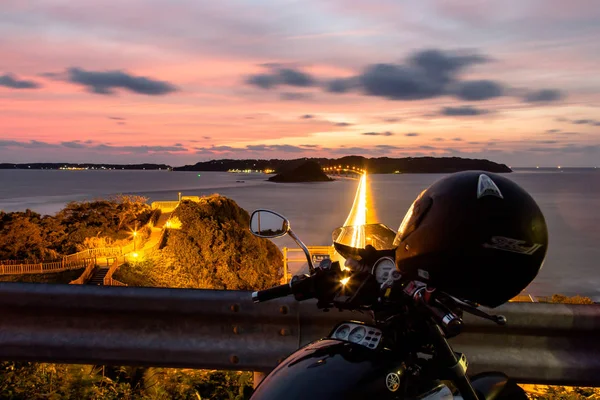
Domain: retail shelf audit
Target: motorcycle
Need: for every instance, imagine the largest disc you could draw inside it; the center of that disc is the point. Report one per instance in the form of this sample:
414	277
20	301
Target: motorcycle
403	354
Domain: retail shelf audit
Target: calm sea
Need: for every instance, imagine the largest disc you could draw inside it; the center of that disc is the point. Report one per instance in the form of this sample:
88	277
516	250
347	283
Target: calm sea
569	198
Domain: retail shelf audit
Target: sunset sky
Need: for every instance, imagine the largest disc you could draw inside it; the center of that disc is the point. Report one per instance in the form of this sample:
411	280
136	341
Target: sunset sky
181	81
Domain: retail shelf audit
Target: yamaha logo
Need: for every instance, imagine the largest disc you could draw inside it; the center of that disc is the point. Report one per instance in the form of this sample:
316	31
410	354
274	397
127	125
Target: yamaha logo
392	381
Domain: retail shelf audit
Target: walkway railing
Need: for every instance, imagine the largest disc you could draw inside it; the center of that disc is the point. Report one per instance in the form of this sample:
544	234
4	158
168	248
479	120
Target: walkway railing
86	275
72	261
108	278
43	267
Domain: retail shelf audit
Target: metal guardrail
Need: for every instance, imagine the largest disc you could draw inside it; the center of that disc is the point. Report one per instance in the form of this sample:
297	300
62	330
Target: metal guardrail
542	343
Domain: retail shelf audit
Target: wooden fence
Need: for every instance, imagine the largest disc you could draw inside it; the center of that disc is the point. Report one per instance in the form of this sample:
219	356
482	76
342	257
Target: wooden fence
72	261
164	206
86	275
44	267
108	278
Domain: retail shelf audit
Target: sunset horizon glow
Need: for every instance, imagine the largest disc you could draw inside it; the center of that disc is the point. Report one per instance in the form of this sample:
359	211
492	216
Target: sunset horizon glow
178	82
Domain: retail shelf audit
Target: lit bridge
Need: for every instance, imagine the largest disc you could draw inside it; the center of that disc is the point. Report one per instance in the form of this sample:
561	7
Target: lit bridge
344	170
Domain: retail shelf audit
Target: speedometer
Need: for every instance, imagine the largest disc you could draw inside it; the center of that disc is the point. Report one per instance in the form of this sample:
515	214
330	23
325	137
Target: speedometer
383	268
357	334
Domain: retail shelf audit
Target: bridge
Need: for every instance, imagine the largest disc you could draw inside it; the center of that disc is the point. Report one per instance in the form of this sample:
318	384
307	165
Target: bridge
344	170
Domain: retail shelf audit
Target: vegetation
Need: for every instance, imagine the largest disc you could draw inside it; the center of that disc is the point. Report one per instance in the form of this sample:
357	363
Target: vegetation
25	381
559	298
208	246
380	165
55	277
310	171
211	249
31	237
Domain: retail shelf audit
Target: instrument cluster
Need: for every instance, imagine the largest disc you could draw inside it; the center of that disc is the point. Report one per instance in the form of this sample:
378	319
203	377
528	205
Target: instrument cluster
364	335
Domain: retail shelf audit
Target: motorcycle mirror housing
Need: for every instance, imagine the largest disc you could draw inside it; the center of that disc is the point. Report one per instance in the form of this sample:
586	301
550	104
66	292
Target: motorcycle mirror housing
269	224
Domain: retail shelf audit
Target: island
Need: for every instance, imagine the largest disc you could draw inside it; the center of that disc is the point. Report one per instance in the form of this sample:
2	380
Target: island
379	165
309	171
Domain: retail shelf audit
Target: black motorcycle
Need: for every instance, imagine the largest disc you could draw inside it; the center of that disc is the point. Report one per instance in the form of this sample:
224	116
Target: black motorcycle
402	354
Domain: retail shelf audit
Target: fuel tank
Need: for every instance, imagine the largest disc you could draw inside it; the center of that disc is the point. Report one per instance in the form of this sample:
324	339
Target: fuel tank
331	369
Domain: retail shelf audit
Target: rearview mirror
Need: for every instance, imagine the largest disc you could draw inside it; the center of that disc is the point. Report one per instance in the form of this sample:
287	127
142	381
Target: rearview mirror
268	224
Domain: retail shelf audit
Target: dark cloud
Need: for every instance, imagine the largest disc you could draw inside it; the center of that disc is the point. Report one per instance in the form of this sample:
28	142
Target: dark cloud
426	147
178	145
105	82
543	96
591	122
10	81
474	142
143	149
553	131
440	63
89	145
465	111
387	147
310	146
32	144
76	144
391	120
479	90
307	116
264	81
206	137
286	148
341	85
342	124
117	118
216	150
568	149
439	139
425	74
348	151
412	134
378	133
457	139
293	96
281	76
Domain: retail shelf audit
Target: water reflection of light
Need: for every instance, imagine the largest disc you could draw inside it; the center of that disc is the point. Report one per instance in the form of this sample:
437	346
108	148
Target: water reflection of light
358	213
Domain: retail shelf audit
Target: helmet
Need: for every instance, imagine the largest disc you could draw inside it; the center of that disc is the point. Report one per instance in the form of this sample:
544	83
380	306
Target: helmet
475	235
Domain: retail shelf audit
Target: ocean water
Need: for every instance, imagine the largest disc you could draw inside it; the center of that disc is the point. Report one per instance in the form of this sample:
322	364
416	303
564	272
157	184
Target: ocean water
569	199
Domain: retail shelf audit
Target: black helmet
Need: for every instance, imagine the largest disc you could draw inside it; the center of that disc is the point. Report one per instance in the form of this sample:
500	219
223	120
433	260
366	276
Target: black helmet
475	235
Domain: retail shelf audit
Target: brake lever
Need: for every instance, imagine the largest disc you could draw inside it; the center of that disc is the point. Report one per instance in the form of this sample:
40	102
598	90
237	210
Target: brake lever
498	319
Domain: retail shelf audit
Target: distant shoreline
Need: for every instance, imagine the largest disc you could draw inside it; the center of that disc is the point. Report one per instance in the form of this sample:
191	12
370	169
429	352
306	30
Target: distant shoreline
381	165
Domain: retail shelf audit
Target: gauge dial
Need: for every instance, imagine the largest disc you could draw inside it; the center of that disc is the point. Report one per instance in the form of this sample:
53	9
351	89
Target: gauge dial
357	334
342	332
383	268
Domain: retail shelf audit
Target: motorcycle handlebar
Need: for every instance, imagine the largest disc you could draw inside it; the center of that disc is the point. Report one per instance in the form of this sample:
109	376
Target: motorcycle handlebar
450	322
272	293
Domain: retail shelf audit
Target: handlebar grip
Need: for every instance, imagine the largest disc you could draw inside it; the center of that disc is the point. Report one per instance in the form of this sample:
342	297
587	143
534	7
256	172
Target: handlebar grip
450	322
272	293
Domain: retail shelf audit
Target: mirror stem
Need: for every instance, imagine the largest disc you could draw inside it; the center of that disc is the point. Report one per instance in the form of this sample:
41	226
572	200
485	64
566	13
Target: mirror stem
311	268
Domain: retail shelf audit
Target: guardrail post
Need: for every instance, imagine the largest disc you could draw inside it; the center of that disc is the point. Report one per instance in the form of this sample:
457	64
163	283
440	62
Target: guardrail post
258	377
285	258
